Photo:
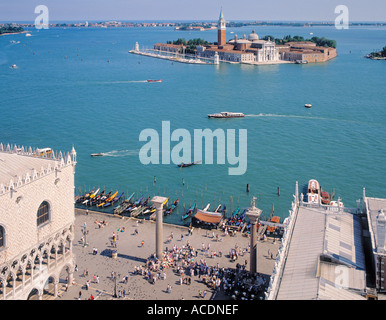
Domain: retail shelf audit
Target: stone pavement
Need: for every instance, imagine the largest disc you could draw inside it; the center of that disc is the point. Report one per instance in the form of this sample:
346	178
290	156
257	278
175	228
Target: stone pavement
131	253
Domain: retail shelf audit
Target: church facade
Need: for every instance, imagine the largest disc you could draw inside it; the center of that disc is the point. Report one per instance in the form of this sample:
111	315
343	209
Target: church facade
248	50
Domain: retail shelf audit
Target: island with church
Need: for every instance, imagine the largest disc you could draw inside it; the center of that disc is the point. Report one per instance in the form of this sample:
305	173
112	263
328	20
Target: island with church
247	49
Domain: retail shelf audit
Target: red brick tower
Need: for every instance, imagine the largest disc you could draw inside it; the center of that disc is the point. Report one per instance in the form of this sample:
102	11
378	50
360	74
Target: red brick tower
221	31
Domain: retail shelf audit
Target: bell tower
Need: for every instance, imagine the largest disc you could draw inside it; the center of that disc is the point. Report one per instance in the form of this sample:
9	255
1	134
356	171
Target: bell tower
221	30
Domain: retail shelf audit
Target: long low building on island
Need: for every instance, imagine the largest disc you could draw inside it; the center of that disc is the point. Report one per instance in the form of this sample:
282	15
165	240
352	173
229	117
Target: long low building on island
305	51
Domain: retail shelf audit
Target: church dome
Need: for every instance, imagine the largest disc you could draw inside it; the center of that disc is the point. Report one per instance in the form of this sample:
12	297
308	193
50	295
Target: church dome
253	36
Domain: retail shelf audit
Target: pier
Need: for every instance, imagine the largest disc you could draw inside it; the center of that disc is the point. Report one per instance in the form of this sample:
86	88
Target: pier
174	58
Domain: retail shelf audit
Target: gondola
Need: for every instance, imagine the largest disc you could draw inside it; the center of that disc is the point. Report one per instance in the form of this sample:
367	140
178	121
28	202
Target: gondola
124	205
109	199
190	212
115	199
171	208
184	165
90	197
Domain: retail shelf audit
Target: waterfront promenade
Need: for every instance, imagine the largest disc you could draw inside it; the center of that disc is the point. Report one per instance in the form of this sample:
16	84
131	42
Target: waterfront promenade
131	254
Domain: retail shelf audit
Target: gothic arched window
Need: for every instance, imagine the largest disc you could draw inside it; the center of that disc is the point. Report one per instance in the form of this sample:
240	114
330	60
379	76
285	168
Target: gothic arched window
43	214
2	237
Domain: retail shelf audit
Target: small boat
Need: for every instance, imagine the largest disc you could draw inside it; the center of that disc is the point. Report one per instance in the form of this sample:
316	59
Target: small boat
149	210
307	105
124	205
90	197
150	80
183	165
27	34
109	199
325	197
226	114
313	191
207	207
190	212
217	209
171	208
97	154
14	66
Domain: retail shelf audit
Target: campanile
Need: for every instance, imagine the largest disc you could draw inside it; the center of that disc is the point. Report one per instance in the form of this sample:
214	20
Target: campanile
221	30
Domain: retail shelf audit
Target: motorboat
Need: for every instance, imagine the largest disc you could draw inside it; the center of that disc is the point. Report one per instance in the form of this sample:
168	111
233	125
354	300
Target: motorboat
325	197
183	165
307	105
97	154
313	191
226	114
14	66
150	80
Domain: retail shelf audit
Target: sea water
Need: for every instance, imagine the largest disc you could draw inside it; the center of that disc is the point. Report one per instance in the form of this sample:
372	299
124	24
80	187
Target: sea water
81	87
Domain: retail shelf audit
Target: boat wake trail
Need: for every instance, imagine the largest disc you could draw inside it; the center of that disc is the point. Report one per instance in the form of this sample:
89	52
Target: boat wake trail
121	153
123	82
272	115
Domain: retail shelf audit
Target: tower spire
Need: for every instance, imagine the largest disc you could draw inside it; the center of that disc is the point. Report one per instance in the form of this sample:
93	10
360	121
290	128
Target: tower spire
221	33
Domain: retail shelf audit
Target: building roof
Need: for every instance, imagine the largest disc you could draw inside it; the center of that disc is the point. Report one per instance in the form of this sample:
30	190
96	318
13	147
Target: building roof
376	212
253	36
322	243
19	166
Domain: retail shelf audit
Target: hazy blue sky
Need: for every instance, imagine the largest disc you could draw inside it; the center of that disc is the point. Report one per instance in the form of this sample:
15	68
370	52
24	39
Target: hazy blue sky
79	10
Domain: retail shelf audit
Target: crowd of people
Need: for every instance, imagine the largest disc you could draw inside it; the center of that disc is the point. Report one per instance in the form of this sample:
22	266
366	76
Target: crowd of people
187	265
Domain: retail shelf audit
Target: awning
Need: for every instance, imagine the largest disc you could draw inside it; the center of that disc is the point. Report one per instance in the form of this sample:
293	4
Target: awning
210	217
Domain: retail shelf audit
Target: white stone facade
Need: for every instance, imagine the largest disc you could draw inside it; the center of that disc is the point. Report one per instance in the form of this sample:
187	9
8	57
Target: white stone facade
33	257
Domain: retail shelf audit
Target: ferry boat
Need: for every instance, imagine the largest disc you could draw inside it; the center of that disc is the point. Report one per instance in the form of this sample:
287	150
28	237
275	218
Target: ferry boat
150	80
226	114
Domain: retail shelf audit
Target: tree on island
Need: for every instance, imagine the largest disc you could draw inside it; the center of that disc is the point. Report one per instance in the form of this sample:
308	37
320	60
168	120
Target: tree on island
379	54
321	42
10	29
191	45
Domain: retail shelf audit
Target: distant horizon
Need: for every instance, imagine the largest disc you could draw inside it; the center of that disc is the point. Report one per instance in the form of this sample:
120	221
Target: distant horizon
186	21
199	10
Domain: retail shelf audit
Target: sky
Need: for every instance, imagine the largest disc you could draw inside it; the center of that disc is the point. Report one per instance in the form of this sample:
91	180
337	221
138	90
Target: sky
129	10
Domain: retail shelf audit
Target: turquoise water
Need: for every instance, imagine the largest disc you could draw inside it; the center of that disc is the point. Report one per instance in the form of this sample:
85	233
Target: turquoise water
81	87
